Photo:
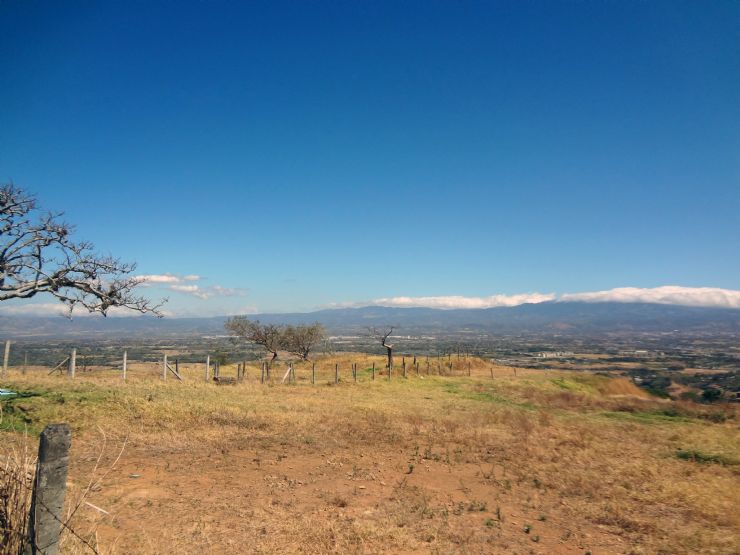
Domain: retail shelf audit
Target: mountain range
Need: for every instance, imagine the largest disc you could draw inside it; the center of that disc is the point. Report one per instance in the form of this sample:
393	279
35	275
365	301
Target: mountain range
547	317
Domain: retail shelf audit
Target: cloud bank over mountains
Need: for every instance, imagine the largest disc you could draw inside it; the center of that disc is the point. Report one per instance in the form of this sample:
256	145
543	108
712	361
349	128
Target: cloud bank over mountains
667	294
710	297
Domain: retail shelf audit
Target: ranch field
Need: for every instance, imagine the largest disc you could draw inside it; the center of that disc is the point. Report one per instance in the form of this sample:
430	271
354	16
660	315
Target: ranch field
541	462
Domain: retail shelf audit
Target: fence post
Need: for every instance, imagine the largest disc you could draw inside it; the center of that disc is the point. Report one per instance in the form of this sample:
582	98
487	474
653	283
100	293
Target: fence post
6	356
164	368
208	366
262	373
336	373
491	372
49	488
72	364
373	371
354	371
125	364
313	373
404	367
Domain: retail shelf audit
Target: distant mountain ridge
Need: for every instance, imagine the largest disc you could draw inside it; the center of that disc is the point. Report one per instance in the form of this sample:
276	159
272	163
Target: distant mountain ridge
548	317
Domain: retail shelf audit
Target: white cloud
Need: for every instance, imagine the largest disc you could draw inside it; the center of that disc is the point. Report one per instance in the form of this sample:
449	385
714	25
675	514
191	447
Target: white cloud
228	291
184	284
159	278
194	290
667	294
207	292
60	309
458	301
35	309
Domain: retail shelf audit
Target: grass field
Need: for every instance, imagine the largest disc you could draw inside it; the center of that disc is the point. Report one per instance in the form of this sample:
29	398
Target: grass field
540	462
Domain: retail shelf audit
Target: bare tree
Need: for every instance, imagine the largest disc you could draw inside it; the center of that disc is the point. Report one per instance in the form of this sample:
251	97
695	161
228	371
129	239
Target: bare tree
382	335
38	255
299	340
268	336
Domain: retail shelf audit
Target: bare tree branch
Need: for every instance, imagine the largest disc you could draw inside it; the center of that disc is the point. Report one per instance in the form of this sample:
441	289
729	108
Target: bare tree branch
38	255
268	336
382	335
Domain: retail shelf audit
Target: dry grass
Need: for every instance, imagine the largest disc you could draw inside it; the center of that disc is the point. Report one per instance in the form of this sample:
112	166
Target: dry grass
427	464
16	477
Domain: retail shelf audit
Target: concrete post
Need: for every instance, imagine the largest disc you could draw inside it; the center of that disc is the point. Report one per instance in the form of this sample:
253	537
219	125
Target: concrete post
72	364
47	501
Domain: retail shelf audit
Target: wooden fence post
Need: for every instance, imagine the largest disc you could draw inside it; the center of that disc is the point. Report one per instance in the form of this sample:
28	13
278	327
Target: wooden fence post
164	368
491	372
468	368
49	488
354	371
72	364
313	373
373	371
262	373
208	366
6	356
125	364
404	367
336	373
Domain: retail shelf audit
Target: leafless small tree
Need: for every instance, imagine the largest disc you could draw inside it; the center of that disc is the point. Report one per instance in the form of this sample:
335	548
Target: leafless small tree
38	255
382	335
301	339
268	336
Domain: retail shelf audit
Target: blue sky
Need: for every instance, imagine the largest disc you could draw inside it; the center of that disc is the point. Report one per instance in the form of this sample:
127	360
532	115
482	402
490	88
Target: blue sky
295	155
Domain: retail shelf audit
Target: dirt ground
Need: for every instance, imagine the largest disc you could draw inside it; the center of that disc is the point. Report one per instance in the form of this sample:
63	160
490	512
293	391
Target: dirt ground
245	500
